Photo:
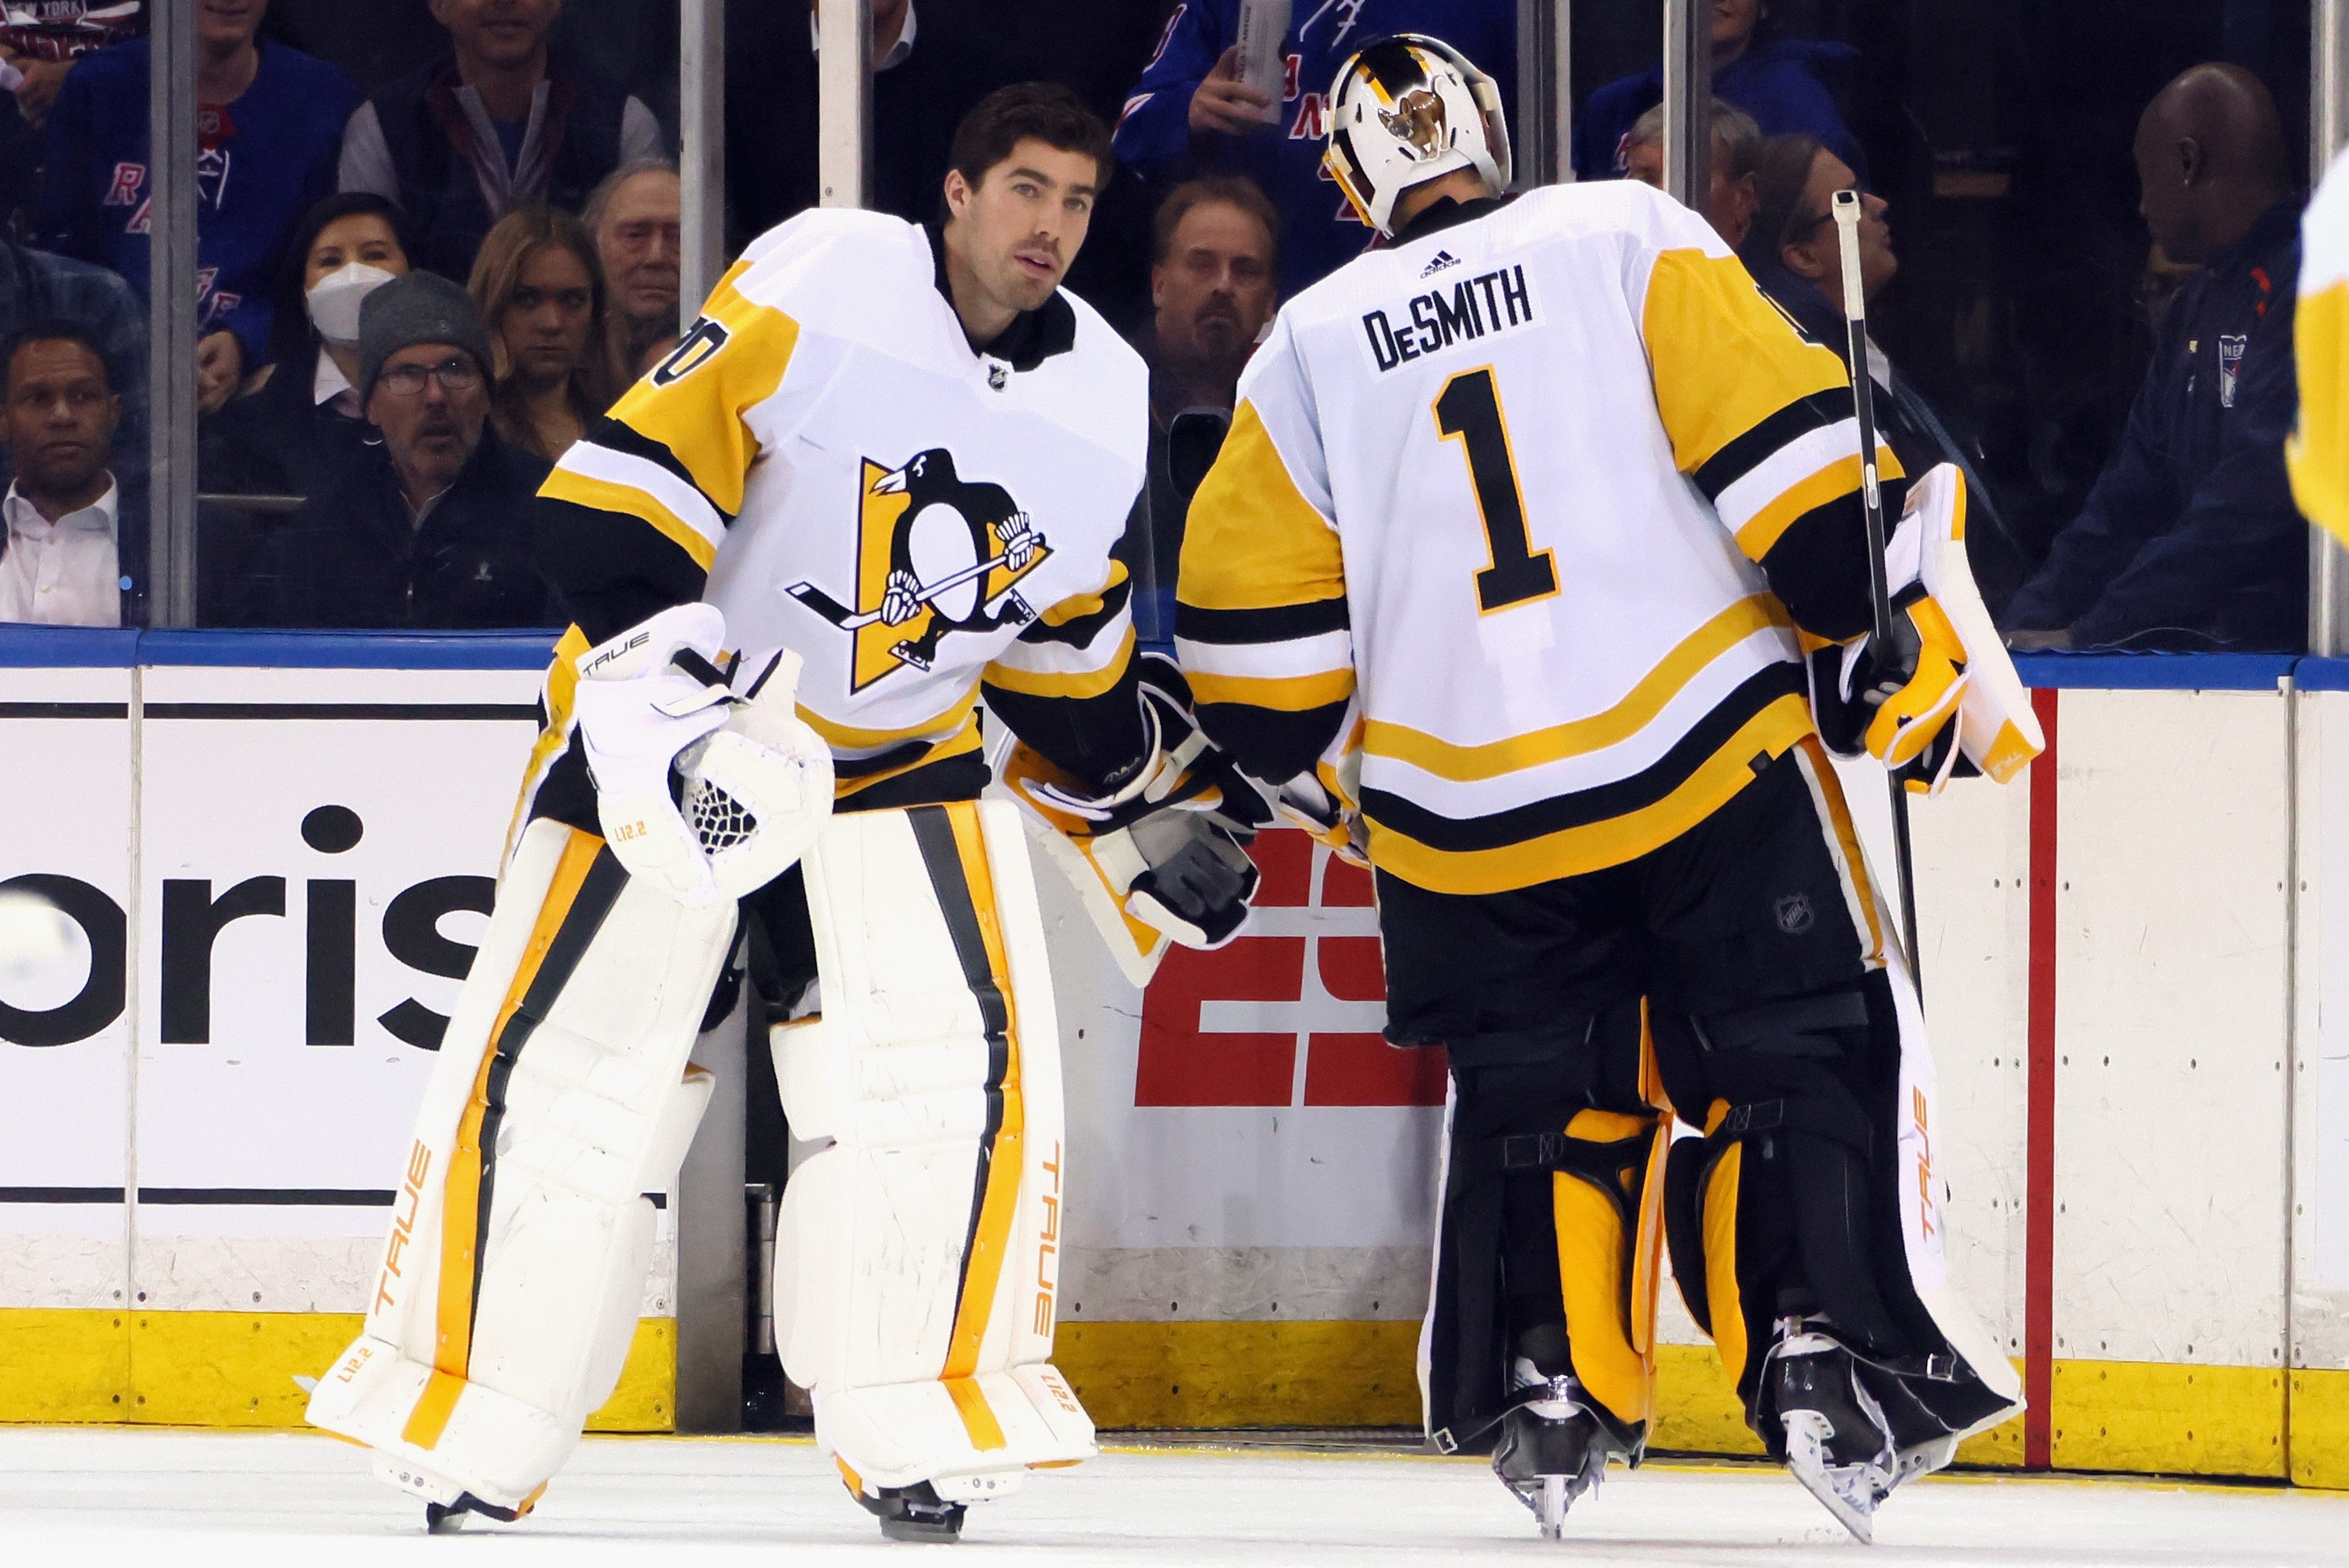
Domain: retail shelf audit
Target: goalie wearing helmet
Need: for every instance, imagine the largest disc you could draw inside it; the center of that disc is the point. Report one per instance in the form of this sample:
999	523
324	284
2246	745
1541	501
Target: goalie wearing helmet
1512	561
881	477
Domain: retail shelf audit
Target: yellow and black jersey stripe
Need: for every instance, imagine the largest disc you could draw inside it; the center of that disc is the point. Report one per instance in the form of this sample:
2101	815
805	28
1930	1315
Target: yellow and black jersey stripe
1261	624
632	517
1068	685
1584	831
1760	420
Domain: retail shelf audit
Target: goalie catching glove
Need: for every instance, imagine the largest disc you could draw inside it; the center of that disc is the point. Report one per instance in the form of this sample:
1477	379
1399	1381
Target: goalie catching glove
1944	698
1163	857
702	792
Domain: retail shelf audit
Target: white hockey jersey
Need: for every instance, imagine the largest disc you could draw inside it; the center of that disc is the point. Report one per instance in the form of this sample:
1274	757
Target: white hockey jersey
826	459
1499	493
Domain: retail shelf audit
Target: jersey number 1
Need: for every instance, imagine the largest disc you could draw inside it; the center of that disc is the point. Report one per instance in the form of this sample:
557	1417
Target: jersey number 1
1469	409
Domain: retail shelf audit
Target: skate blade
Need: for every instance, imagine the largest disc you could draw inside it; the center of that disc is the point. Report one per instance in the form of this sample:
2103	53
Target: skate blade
1556	1494
1550	1507
1843	1489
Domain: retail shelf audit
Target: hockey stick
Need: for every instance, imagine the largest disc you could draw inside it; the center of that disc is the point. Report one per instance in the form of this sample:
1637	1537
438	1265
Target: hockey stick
1863	399
848	620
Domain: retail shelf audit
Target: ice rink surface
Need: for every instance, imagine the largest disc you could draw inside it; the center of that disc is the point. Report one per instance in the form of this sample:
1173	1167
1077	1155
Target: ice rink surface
90	1497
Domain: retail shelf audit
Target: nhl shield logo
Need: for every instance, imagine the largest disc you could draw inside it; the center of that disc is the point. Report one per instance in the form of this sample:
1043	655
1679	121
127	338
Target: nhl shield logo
1794	913
935	553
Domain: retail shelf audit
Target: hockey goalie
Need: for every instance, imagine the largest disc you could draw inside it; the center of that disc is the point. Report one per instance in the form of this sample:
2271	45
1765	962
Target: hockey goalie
1537	557
881	476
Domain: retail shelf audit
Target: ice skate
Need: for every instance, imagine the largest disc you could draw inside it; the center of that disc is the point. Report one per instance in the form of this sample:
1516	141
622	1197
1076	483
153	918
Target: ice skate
1837	1442
914	1513
447	1518
1551	1449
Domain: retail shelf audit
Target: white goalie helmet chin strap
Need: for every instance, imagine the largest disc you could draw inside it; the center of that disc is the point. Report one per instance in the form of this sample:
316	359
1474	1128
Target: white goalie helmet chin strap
753	782
1408	110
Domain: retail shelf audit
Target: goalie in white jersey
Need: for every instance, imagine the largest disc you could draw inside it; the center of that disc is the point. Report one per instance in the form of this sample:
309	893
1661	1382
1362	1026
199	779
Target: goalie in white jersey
904	458
1509	567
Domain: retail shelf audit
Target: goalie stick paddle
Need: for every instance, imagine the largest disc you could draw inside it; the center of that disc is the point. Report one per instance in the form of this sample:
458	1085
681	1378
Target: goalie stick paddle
1846	213
849	620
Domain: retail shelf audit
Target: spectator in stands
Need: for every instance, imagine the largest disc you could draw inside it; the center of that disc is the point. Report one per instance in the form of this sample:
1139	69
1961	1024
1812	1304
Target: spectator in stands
637	218
929	69
1214	280
540	291
1780	82
38	44
2190	538
60	563
42	42
500	123
301	427
434	531
1795	252
1190	112
35	286
267	124
1736	152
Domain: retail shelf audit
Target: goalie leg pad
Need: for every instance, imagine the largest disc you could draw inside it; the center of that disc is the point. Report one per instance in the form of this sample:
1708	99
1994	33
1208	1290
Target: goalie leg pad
1551	1219
1811	1195
916	1258
516	1266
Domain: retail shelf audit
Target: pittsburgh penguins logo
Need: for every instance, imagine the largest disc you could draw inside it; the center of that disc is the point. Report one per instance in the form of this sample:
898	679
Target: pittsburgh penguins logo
935	553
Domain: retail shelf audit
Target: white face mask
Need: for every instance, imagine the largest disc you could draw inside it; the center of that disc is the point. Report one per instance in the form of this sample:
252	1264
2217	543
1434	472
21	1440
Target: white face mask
335	300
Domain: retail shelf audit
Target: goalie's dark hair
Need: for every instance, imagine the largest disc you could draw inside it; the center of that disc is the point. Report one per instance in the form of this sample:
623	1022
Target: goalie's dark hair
1047	111
57	329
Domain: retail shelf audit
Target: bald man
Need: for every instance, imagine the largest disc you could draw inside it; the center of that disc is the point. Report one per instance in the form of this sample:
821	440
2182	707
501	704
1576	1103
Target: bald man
2190	539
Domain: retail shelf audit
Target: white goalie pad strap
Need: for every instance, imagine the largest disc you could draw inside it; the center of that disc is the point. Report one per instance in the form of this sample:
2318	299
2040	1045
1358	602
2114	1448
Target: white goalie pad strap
514	1269
918	1258
1997	729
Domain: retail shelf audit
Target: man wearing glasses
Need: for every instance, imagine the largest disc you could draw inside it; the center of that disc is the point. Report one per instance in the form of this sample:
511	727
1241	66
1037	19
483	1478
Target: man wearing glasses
431	530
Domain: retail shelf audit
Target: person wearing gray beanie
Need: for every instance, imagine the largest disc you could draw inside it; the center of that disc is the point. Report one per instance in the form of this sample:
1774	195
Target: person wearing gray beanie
420	307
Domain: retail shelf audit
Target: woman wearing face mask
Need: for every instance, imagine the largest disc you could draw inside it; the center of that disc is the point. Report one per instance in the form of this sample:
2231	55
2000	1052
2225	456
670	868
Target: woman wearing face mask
301	426
540	287
299	430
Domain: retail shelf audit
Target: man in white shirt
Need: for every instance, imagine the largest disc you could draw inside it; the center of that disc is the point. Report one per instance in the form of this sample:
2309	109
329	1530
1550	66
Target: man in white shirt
58	409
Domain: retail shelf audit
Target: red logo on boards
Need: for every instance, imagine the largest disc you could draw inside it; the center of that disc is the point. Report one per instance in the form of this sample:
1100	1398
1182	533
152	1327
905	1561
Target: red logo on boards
1290	1014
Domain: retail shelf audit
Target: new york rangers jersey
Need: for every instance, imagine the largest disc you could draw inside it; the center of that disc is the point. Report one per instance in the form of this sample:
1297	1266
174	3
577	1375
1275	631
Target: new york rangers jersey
1534	501
826	459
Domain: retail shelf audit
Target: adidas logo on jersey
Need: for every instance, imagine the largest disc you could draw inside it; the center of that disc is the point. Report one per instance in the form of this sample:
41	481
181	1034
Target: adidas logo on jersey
1443	258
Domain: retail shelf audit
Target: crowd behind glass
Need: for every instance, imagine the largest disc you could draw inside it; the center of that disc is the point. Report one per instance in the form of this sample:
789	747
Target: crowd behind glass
437	238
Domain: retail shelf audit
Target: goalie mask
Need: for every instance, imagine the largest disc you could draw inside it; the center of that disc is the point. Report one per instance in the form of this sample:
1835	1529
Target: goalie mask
1408	110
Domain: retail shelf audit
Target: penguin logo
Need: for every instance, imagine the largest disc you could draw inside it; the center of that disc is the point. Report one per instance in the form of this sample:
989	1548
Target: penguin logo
935	553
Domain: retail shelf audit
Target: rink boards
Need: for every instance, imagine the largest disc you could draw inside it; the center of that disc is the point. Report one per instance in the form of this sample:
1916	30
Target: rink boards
2144	1126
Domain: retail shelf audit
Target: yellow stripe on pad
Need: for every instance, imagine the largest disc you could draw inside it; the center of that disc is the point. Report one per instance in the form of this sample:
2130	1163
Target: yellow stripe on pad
991	1244
429	1419
978	1415
461	1198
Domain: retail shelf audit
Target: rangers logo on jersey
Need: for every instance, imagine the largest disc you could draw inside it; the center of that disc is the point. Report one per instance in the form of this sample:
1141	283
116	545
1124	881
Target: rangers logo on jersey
935	553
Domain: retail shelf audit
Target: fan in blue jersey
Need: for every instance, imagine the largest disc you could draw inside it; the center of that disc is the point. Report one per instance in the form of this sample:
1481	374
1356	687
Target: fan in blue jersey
1189	114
